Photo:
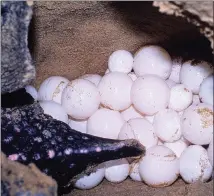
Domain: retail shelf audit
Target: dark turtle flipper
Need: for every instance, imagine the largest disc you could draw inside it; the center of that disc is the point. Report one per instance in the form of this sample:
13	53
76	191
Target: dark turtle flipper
28	135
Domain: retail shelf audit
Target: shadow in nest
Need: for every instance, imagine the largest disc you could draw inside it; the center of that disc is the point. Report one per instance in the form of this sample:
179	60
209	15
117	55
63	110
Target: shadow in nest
179	37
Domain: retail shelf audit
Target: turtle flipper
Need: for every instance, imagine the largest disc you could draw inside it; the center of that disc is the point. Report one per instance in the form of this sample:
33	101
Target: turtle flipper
28	135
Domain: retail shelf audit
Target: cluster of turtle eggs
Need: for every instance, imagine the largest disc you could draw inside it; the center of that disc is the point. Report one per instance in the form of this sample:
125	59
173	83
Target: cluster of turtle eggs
165	104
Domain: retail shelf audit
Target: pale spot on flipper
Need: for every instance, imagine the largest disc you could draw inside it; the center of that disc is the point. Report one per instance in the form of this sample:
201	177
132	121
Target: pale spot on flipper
13	157
51	154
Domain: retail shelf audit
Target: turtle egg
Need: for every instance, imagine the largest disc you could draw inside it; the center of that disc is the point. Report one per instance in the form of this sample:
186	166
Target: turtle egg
195	100
78	125
92	180
152	60
94	78
80	99
120	61
115	90
117	170
170	83
51	88
130	113
195	165
139	129
32	91
192	75
159	167
177	147
132	75
175	73
197	124
206	90
167	125
180	97
145	94
210	152
55	110
107	71
105	123
134	172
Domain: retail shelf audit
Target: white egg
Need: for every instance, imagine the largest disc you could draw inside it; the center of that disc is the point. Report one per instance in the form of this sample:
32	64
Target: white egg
175	73
159	167
195	100
105	123
150	118
80	99
115	90
192	75
195	165
185	140
117	170
197	124
170	83
167	125
206	90
78	125
132	75
180	97
51	88
152	60
145	94
120	61
94	78
134	172
141	130
177	147
92	180
55	110
130	113
210	152
32	91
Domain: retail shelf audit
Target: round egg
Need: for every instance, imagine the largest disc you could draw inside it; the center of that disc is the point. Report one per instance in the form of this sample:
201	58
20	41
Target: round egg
197	124
134	172
195	100
176	68
51	88
105	123
159	167
210	152
193	73
132	75
115	90
141	130
145	94
117	170
130	113
152	60
32	91
78	125
195	165
150	118
180	98
55	110
120	61
80	99
92	180
206	90
177	147
94	78
167	125
170	83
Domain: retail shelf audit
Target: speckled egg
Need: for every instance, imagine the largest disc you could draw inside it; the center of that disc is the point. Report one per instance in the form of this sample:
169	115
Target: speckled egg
94	78
206	90
130	113
78	125
80	99
197	124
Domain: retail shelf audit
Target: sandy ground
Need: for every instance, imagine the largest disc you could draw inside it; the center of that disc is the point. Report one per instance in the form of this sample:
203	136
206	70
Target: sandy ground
131	188
73	38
